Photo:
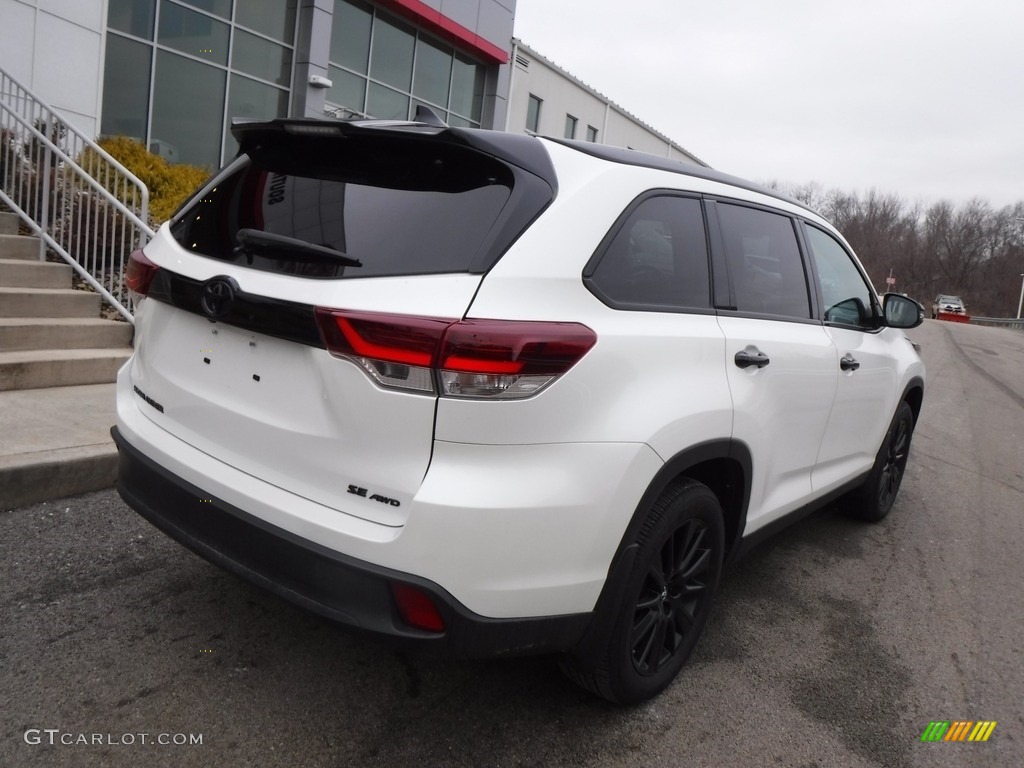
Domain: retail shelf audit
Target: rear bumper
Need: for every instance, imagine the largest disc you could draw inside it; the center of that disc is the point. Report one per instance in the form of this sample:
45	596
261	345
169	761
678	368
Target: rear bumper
344	589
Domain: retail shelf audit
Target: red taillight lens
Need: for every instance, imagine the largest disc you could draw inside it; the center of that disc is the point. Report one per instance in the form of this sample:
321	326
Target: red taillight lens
495	359
417	608
527	348
498	359
139	275
390	338
396	351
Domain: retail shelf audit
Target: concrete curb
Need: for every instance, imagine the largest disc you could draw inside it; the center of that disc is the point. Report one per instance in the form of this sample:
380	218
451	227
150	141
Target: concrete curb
56	443
35	477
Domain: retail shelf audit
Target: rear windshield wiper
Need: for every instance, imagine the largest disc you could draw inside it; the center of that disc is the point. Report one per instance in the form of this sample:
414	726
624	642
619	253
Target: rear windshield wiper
289	246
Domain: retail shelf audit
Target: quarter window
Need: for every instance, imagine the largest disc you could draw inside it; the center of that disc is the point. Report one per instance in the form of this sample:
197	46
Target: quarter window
764	262
657	259
847	297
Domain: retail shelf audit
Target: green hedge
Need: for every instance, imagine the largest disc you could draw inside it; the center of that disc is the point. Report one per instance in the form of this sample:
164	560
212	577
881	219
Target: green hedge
169	184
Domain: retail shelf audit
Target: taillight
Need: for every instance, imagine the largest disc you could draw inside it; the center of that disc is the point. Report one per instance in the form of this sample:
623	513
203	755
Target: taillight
396	351
491	359
507	359
139	275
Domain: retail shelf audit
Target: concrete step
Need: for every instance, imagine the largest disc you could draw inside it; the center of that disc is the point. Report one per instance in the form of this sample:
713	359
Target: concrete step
56	442
19	247
22	273
48	302
8	223
33	369
23	333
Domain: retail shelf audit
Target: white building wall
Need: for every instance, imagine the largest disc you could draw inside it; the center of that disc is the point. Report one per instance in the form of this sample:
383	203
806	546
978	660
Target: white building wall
55	49
563	94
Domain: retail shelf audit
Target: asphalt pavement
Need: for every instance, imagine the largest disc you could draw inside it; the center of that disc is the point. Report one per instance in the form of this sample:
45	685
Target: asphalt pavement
835	643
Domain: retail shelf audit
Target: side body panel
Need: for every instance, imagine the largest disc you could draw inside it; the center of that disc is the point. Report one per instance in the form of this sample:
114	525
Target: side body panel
781	410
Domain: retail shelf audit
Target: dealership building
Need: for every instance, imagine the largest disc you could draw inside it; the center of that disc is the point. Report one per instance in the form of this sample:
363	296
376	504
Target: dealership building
173	73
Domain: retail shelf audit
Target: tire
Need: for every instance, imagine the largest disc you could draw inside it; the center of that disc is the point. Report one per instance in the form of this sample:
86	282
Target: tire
635	649
873	500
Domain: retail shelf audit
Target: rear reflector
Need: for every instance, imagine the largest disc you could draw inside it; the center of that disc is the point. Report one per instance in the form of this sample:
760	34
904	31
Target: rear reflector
416	608
491	359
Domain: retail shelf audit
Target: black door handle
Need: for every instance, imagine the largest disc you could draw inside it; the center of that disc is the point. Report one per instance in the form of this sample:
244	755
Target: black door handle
849	363
746	358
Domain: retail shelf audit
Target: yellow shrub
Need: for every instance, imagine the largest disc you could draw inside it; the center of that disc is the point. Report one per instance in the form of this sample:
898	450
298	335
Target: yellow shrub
169	185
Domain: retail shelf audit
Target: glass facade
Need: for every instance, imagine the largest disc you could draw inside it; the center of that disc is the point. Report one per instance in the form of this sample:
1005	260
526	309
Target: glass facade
177	71
187	97
383	67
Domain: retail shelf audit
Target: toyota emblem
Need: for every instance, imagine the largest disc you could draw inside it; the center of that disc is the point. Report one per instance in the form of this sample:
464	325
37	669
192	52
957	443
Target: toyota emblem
218	296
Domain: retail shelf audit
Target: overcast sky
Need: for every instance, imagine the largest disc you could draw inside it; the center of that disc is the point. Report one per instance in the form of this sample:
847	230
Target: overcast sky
922	98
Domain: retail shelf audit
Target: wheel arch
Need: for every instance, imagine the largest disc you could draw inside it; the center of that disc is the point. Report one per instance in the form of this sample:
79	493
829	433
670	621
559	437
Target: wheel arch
913	393
725	466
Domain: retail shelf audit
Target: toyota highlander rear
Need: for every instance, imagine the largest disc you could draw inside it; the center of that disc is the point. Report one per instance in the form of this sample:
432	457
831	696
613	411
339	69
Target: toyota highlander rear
297	321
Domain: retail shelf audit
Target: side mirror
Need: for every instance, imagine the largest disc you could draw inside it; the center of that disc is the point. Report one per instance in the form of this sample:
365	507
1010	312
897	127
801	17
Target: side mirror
901	311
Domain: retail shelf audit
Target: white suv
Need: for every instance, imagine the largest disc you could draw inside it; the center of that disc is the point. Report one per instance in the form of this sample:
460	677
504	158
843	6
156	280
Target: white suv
495	394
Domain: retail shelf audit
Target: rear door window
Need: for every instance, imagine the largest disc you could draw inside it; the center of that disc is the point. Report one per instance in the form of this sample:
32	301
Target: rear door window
764	262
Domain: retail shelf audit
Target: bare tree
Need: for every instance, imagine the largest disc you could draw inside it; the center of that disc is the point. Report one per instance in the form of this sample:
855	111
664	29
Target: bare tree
969	250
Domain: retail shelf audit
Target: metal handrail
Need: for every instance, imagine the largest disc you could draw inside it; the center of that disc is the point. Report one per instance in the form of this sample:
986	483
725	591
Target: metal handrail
83	204
1005	322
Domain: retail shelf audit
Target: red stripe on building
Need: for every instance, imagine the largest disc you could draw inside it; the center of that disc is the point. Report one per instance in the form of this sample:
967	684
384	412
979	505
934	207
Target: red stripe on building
442	26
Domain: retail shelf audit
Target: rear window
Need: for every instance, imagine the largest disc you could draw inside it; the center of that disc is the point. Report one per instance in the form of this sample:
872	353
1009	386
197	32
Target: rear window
397	206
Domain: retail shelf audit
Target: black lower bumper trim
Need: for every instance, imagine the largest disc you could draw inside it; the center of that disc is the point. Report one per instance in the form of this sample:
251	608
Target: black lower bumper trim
346	590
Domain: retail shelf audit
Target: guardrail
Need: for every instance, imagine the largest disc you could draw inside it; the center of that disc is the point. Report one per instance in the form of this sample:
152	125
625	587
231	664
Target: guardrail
1005	322
85	206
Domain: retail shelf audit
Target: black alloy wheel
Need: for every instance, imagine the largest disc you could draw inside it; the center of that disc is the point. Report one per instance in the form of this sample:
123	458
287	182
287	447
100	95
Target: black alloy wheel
896	453
873	500
654	608
672	596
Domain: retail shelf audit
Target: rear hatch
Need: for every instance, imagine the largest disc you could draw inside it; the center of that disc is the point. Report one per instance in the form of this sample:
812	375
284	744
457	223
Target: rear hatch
295	304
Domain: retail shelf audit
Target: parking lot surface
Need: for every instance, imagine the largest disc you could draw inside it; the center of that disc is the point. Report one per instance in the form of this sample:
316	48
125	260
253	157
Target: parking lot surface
835	643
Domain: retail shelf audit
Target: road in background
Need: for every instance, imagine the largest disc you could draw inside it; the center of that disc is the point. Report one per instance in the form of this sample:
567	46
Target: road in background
834	644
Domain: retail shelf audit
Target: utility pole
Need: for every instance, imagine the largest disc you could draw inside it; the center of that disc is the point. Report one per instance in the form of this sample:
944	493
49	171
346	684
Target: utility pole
1020	302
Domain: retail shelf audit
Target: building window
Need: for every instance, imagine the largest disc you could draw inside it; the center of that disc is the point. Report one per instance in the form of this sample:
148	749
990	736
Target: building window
383	67
570	127
207	65
591	133
533	114
126	87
